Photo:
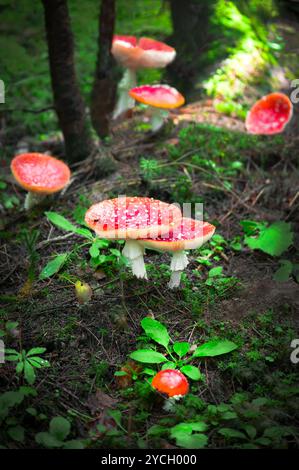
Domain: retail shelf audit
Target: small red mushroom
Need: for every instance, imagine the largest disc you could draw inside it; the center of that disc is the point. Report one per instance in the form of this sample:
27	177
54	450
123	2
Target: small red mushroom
190	234
131	218
161	98
171	382
134	55
269	115
40	175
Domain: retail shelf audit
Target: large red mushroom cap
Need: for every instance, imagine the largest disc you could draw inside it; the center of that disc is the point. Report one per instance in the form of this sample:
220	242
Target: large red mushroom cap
190	234
145	53
159	96
39	173
269	115
171	382
132	217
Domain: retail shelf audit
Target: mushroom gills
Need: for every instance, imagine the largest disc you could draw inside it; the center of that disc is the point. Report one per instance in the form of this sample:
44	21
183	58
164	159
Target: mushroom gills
125	101
134	252
33	199
178	263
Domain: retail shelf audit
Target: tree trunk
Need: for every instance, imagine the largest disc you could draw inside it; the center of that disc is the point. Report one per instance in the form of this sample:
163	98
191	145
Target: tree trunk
190	20
104	87
67	98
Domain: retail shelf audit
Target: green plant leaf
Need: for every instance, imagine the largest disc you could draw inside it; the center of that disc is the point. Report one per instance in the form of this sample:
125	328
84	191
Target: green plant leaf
20	367
59	427
192	372
53	266
284	271
148	356
187	428
47	440
73	444
29	373
181	348
169	365
232	433
214	348
35	351
273	240
16	433
194	441
156	331
38	362
61	222
214	272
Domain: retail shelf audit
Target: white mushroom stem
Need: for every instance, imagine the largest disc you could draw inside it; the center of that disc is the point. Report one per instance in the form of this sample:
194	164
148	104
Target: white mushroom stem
125	101
33	199
178	263
134	252
158	118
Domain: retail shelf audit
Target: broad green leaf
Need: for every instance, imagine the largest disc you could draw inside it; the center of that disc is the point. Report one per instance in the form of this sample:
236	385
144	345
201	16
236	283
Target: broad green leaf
85	233
250	226
29	373
188	428
16	433
148	356
192	372
156	331
94	250
214	272
59	427
157	430
273	240
61	222
35	351
19	367
250	430
47	440
73	444
53	266
283	273
181	348
194	441
169	365
214	348
232	433
38	362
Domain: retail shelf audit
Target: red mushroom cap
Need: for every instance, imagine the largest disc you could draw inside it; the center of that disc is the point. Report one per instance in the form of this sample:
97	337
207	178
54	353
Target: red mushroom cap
159	96
40	173
269	115
171	382
190	234
132	217
145	53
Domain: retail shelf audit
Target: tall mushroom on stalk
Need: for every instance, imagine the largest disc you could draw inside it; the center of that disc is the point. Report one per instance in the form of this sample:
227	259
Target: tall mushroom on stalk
191	234
161	98
40	175
269	115
131	218
134	54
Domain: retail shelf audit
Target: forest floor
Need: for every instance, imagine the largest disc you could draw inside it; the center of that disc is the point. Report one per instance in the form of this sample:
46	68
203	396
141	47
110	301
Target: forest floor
246	398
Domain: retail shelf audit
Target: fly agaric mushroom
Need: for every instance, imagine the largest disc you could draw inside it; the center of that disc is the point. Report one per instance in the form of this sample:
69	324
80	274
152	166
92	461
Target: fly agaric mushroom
133	55
131	218
189	235
171	382
269	115
161	98
40	175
